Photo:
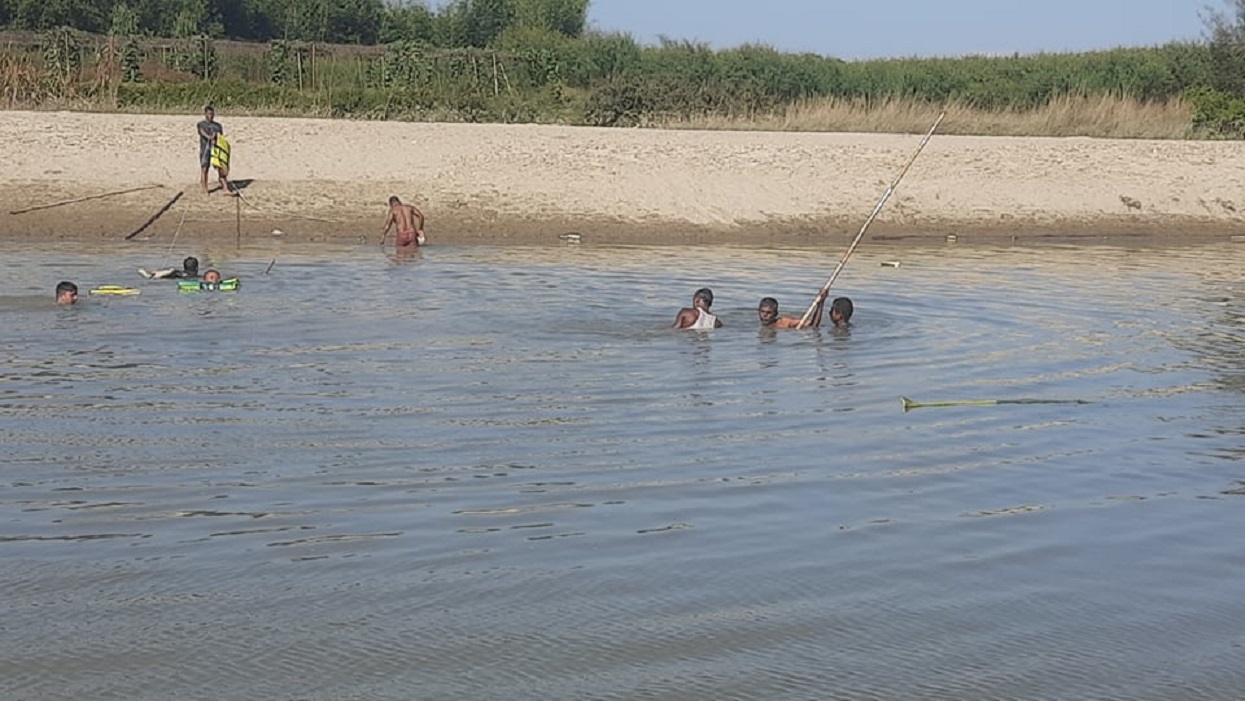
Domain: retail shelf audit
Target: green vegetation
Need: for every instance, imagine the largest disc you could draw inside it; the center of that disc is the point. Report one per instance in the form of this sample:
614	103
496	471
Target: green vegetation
535	61
1219	101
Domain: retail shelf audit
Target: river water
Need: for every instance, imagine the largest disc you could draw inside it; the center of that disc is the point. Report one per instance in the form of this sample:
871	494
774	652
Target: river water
496	473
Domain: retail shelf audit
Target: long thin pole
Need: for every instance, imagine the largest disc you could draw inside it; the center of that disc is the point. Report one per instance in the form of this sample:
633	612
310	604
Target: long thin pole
861	234
168	205
175	234
75	200
286	214
909	404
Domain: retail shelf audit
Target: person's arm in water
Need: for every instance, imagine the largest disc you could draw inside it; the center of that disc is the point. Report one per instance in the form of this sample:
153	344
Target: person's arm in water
815	321
389	220
419	228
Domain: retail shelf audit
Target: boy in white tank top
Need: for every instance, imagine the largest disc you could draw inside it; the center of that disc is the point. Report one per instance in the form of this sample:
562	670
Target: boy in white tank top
698	315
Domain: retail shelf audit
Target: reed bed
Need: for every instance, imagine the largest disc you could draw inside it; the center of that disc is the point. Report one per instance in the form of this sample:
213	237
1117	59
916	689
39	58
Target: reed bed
1106	116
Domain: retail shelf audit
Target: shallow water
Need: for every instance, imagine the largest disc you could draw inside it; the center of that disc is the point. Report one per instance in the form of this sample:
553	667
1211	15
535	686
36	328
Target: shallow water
495	473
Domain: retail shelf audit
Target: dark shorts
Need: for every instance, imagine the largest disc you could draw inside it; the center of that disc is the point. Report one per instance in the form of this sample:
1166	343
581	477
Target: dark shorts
205	155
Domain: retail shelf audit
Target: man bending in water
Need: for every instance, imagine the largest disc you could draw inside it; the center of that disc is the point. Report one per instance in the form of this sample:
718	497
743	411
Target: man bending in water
767	311
697	316
404	216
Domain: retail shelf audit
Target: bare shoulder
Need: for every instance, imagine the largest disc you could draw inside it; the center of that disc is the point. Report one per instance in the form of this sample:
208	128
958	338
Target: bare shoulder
787	322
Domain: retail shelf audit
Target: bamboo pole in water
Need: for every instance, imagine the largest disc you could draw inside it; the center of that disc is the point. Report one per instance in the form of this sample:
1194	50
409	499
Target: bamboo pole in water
825	289
909	404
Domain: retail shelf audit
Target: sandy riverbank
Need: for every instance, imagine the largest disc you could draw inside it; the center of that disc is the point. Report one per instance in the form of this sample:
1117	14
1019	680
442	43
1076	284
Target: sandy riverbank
320	180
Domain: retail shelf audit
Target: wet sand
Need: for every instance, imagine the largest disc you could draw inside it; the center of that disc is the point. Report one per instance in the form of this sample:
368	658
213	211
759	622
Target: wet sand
327	180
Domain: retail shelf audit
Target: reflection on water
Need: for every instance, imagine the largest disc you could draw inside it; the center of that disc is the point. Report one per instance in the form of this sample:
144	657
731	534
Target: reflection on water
497	473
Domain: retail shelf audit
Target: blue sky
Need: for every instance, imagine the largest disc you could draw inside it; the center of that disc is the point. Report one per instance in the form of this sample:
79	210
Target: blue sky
856	29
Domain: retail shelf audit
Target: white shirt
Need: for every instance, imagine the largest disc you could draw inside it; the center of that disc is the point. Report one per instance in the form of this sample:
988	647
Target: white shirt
704	320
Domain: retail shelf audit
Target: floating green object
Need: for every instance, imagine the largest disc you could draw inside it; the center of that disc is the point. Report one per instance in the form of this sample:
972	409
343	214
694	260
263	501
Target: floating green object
908	404
229	285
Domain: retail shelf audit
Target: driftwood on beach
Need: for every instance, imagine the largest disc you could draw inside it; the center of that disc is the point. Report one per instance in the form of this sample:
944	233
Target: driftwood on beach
167	206
76	200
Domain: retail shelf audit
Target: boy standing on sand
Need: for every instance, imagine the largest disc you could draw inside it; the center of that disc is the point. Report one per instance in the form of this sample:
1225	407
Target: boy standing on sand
404	215
209	129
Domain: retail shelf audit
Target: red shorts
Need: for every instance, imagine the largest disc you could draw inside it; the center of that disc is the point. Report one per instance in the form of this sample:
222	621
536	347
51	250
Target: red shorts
407	238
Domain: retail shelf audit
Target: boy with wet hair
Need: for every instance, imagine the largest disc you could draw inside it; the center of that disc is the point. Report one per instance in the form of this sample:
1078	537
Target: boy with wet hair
841	312
66	293
190	269
698	316
767	311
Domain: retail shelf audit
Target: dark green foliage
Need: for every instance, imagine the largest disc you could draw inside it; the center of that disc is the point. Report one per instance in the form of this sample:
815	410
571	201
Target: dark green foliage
760	78
456	24
62	59
408	23
123	23
84	15
620	102
404	64
1217	112
533	60
602	57
1219	101
565	17
131	61
1227	49
278	59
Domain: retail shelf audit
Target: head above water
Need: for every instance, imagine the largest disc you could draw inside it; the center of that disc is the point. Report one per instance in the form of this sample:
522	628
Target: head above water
66	293
841	310
703	298
767	310
394	200
191	265
211	276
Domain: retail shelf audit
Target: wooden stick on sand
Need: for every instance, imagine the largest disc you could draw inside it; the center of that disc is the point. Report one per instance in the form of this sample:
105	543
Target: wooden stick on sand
167	206
83	199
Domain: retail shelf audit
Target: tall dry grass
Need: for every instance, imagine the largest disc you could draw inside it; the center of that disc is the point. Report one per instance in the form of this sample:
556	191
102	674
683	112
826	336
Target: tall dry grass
1096	116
